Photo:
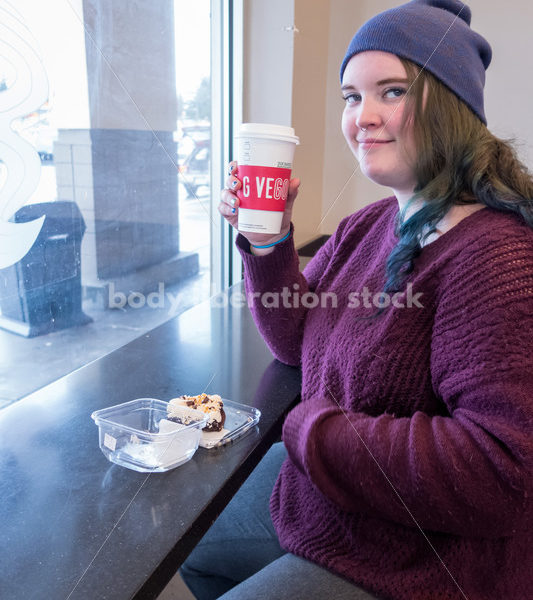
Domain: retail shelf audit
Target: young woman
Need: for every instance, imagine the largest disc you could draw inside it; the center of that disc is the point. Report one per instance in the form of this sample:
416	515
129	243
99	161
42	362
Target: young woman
406	470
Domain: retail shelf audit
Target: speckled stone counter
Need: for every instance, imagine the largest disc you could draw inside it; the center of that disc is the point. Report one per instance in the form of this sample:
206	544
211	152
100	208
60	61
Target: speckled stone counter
77	527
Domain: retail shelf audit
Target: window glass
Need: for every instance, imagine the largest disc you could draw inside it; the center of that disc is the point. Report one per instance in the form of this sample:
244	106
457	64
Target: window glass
105	164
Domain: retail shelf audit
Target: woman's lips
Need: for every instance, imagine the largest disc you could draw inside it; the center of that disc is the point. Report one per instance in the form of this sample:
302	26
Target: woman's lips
370	143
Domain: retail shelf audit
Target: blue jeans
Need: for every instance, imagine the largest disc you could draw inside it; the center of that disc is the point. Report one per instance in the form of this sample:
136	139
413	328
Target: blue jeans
240	558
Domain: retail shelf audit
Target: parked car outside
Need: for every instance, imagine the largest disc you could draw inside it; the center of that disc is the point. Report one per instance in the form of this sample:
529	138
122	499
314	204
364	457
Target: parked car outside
195	170
189	134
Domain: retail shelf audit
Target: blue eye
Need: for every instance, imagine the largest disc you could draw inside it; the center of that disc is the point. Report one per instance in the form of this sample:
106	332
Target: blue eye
398	92
351	98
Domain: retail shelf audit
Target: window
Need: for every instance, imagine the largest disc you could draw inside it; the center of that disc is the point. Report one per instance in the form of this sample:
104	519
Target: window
109	175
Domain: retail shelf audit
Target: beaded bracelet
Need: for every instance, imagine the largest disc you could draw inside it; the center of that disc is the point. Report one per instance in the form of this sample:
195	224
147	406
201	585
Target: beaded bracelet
270	245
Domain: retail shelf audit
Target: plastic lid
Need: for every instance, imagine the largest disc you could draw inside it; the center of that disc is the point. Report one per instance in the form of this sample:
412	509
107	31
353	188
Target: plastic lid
268	130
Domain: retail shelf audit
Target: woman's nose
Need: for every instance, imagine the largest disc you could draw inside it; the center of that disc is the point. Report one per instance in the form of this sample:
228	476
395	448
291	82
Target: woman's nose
368	115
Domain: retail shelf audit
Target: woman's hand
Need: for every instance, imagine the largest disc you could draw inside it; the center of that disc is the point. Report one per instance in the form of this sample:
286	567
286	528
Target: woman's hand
229	208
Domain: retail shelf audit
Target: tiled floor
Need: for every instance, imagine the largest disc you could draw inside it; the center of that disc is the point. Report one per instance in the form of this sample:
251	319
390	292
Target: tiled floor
176	590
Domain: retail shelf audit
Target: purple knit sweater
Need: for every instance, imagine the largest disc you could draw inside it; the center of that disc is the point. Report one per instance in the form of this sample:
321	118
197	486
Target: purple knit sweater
411	453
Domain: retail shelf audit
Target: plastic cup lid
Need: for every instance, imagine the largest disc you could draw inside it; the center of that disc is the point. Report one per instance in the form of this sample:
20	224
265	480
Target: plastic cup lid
268	131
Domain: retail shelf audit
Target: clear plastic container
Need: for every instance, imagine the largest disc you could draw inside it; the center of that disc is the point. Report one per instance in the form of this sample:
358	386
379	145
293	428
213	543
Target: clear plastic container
137	435
240	420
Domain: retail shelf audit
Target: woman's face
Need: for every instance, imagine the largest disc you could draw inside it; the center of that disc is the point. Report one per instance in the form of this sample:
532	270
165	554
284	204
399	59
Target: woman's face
374	85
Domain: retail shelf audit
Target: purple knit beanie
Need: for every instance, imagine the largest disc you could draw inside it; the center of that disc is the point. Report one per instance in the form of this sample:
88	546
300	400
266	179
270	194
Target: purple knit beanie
436	35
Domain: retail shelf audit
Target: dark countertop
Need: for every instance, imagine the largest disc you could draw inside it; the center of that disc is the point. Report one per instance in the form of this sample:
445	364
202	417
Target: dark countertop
77	527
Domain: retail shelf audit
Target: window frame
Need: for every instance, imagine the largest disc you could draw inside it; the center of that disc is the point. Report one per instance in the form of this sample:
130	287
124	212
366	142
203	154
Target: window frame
226	117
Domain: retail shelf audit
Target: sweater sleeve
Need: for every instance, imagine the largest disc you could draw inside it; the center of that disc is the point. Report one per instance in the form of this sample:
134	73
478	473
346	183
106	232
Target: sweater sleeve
469	473
270	280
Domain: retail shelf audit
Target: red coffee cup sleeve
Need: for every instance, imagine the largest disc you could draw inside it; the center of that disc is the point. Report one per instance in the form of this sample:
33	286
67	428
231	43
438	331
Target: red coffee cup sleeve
263	188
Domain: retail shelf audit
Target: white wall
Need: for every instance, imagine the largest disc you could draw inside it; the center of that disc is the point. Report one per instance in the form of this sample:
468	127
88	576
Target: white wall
309	112
509	87
268	61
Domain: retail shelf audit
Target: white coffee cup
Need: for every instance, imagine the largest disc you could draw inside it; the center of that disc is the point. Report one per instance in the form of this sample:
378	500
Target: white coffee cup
265	156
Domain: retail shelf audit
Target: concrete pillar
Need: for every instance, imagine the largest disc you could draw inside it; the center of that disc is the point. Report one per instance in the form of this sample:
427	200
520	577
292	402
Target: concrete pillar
122	172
